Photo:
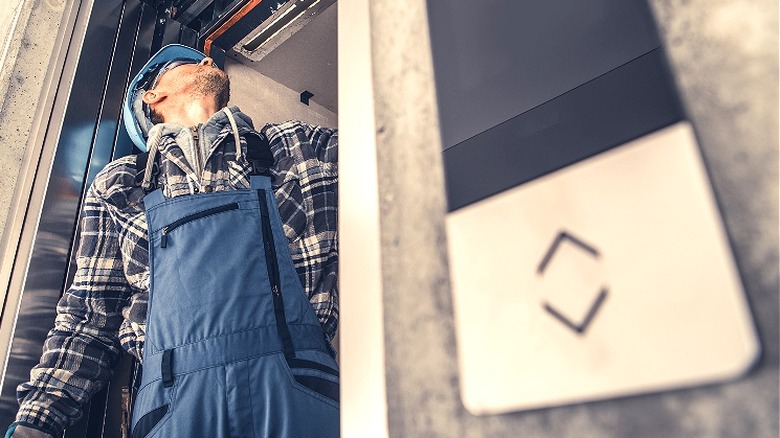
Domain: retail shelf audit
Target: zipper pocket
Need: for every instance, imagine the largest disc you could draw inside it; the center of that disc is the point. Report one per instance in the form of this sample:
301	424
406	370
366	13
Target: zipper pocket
308	364
195	216
322	385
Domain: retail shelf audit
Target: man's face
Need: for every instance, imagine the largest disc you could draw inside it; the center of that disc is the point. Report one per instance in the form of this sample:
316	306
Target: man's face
202	79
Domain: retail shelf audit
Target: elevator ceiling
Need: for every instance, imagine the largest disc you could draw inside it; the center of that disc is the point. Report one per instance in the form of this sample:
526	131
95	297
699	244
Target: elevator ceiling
304	60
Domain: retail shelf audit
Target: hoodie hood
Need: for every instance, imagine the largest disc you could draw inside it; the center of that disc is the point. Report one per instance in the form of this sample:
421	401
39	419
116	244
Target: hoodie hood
177	144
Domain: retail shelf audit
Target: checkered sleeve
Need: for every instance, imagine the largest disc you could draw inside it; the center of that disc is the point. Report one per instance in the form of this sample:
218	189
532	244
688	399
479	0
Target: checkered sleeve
322	267
324	142
307	194
80	350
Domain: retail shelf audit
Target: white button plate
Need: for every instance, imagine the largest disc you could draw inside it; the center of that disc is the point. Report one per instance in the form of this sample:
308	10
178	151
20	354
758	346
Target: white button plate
639	294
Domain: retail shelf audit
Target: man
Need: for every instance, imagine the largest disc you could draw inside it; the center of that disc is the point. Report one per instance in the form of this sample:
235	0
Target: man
229	344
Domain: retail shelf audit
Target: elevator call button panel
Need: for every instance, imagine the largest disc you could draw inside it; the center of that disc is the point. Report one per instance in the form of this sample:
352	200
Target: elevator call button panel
610	277
588	258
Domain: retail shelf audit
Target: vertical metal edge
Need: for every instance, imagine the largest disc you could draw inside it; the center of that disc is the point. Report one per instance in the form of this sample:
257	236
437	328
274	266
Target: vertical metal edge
25	209
361	325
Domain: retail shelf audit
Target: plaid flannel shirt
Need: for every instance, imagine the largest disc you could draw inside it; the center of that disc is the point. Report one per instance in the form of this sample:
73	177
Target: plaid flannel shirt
104	310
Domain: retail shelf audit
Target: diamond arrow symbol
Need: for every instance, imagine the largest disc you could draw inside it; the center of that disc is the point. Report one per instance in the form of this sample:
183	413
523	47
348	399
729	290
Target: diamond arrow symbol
557	242
579	328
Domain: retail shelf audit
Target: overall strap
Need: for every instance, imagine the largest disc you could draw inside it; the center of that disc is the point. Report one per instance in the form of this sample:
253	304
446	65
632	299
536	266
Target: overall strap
258	148
258	153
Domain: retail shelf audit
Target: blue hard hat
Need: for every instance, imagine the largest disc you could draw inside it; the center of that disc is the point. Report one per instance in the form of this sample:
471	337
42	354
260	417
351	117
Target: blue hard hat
134	113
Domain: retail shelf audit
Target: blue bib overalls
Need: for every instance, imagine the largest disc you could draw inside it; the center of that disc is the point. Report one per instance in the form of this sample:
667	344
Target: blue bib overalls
233	347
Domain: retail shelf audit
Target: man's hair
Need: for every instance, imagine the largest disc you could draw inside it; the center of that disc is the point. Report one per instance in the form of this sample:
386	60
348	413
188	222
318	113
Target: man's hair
223	95
155	116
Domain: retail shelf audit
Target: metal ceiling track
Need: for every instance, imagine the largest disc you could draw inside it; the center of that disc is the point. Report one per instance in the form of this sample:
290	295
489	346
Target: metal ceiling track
243	28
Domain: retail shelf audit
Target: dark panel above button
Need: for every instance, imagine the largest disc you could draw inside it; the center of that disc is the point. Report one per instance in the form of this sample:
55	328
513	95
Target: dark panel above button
623	104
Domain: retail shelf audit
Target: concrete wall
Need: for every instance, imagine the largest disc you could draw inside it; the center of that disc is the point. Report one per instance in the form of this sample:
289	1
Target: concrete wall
10	16
28	30
265	100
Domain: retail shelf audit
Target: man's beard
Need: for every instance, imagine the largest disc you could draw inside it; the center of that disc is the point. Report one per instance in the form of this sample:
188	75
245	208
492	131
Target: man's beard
209	81
212	81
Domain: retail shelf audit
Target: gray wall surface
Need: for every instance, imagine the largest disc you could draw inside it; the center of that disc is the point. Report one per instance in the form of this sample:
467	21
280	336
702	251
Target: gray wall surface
266	101
29	29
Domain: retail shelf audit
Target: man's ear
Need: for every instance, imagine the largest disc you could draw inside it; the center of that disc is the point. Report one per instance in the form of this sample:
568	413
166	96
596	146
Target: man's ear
153	96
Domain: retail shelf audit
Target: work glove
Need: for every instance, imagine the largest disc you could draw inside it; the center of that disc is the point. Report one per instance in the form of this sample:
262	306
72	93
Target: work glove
20	431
